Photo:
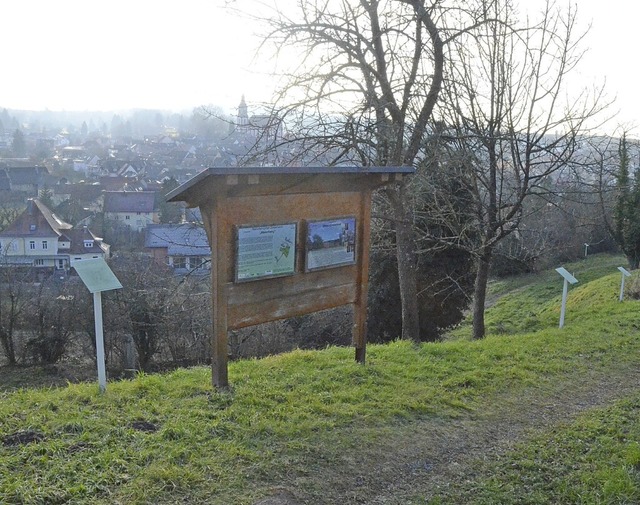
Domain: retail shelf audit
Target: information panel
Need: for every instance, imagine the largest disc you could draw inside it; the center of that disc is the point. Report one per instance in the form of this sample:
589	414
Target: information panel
265	251
96	275
331	243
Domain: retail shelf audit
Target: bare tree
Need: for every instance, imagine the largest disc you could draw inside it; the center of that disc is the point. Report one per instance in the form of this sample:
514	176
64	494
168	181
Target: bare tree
144	303
603	164
362	91
190	321
52	323
364	87
13	300
513	129
10	210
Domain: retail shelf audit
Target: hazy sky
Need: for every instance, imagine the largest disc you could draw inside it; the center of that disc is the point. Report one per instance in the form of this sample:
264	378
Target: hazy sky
117	54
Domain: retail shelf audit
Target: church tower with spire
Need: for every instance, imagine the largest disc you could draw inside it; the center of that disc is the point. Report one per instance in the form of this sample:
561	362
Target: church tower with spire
242	121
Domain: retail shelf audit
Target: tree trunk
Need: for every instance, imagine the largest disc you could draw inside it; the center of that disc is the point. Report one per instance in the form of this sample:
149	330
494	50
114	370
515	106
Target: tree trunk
480	294
6	332
129	356
407	264
7	346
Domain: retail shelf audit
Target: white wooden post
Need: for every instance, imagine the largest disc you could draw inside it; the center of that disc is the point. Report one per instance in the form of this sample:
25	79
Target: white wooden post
625	273
568	278
565	290
97	313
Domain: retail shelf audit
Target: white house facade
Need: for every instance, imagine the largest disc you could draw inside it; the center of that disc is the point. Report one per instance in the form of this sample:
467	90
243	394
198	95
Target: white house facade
135	209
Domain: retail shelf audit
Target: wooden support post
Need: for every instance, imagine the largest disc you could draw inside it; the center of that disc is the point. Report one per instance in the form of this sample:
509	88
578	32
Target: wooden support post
219	330
359	333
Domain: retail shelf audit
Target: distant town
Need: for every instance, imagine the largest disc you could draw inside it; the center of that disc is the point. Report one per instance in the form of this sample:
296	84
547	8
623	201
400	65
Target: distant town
91	189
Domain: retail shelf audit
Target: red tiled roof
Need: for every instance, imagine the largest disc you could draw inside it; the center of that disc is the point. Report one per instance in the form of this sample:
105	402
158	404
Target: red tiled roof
36	221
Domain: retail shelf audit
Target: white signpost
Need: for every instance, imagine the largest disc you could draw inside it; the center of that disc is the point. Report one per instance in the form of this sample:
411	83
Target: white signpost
98	277
625	273
568	278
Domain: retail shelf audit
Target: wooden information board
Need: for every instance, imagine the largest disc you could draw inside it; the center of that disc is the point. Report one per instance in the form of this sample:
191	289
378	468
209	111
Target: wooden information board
285	242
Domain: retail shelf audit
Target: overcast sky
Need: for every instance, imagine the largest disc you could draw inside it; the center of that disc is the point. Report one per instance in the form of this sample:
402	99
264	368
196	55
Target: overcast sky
118	54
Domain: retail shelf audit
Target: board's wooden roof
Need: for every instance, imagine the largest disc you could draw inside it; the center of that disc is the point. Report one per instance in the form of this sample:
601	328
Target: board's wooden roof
248	180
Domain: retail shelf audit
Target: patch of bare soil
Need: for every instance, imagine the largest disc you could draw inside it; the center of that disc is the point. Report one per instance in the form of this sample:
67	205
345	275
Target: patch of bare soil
144	426
425	457
22	438
279	497
16	377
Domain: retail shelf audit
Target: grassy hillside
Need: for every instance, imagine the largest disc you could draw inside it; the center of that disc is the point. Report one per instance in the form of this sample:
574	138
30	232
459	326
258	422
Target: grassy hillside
332	431
531	302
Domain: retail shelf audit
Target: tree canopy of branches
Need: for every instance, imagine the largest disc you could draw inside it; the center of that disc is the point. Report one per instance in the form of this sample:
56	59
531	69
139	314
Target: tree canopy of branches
509	124
368	77
19	144
363	89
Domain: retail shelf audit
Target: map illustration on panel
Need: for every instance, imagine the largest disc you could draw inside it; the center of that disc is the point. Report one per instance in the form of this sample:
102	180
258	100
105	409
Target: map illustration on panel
265	251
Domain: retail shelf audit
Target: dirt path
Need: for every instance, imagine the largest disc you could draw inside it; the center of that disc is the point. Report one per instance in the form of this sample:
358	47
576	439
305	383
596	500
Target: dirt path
454	455
423	457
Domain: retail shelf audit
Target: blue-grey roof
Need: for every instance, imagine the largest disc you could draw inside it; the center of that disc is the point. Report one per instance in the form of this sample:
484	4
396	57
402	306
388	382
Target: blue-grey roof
5	183
180	239
23	175
129	201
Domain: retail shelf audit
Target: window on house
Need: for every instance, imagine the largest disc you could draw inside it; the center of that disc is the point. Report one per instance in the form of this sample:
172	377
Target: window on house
195	262
45	245
179	262
39	263
32	244
32	227
127	217
88	243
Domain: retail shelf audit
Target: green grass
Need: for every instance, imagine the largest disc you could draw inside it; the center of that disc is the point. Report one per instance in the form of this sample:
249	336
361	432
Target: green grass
294	417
